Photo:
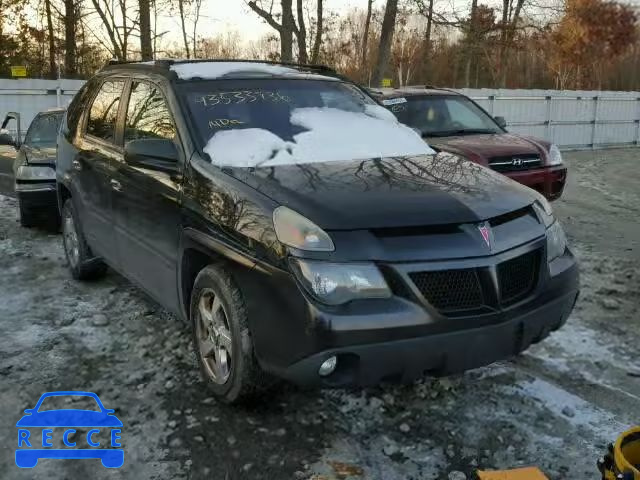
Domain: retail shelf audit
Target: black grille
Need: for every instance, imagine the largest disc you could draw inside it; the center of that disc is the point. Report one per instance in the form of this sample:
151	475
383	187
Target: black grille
518	276
450	290
515	163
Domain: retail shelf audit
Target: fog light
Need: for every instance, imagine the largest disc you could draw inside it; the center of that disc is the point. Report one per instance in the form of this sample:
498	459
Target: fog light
328	366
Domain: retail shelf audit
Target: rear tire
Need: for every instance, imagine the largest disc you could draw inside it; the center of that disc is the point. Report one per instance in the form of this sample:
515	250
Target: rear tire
221	337
82	263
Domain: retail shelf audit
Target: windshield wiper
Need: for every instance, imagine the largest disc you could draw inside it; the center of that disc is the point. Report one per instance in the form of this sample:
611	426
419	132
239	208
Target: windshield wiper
462	131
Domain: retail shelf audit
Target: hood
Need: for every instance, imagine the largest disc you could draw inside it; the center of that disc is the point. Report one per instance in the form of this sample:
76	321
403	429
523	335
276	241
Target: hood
389	192
40	154
480	148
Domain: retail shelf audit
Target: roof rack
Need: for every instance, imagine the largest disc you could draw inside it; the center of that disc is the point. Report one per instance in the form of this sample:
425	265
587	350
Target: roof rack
167	62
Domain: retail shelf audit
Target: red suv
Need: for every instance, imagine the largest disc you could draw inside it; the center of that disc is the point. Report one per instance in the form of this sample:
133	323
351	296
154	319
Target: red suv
454	123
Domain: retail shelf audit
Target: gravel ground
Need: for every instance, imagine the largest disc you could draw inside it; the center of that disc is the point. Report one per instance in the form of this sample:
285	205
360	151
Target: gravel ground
555	406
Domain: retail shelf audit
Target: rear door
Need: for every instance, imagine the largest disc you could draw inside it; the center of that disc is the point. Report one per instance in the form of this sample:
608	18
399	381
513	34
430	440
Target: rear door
99	147
147	198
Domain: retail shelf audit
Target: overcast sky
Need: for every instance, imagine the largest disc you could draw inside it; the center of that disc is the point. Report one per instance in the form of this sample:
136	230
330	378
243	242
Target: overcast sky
224	15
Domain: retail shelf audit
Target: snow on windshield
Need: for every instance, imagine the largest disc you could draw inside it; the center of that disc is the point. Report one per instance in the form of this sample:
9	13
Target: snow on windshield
331	135
212	70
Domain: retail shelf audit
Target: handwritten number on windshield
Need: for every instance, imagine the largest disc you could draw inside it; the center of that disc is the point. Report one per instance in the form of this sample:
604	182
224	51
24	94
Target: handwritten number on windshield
242	96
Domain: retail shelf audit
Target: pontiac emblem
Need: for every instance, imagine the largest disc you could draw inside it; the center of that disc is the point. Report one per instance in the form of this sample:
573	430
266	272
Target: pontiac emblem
486	235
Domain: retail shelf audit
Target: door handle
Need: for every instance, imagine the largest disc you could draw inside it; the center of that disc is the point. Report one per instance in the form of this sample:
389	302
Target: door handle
76	165
116	185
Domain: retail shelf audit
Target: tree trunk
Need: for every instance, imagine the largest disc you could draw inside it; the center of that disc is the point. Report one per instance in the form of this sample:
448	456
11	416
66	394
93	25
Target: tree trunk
52	43
125	31
301	35
386	38
70	22
184	28
286	32
195	28
318	41
471	43
146	52
365	37
112	36
427	36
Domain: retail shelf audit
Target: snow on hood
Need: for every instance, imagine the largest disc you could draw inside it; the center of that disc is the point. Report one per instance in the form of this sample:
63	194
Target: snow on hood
219	69
332	135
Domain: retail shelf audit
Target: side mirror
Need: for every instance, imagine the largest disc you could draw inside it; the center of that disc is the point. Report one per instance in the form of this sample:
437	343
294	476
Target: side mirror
158	154
501	121
6	139
29	411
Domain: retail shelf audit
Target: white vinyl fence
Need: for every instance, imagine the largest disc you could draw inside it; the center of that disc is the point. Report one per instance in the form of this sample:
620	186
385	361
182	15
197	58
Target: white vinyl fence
30	96
571	119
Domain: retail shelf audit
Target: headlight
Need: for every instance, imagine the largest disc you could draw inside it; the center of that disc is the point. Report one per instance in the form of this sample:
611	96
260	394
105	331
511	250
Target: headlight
544	211
556	241
299	232
555	157
337	283
26	172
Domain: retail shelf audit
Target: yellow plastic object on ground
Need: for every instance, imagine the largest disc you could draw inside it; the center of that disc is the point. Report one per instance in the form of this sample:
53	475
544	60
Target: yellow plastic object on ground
528	473
622	462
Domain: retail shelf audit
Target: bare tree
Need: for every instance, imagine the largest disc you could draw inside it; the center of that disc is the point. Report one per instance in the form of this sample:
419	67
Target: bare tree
386	38
70	26
319	26
472	38
52	43
196	19
365	36
146	51
117	33
184	27
285	28
510	16
301	34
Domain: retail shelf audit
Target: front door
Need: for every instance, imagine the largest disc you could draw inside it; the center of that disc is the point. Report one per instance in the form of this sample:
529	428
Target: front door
147	199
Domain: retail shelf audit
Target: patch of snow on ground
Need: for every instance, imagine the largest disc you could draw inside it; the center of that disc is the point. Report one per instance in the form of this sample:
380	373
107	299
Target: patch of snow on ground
556	400
332	135
214	70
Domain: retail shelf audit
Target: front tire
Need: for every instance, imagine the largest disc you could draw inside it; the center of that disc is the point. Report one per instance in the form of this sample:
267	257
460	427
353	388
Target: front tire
82	263
221	336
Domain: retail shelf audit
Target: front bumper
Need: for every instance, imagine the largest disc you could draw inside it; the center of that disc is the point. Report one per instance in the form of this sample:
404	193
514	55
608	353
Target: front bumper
400	339
548	181
441	354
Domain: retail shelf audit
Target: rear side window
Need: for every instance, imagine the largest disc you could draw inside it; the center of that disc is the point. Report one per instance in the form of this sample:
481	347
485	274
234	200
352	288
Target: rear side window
104	111
148	114
77	105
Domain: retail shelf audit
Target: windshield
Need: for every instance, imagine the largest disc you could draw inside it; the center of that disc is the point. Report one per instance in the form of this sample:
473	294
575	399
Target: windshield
442	115
43	131
254	122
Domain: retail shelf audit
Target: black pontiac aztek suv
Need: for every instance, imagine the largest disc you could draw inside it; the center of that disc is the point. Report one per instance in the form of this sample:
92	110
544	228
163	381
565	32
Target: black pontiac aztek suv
302	230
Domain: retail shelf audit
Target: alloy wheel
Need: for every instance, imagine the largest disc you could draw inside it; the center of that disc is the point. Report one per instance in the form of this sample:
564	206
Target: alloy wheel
214	336
70	238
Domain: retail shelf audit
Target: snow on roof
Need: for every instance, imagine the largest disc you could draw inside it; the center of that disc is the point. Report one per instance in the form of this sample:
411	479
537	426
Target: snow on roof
331	135
219	69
